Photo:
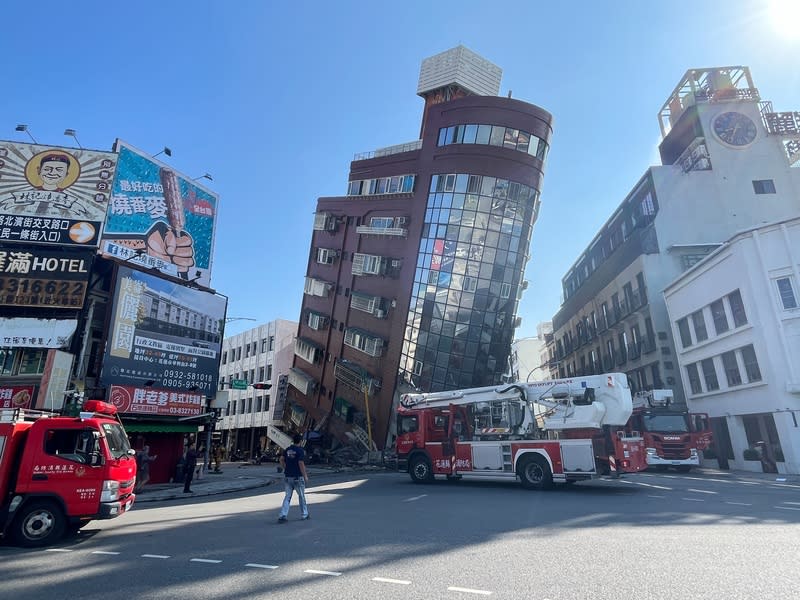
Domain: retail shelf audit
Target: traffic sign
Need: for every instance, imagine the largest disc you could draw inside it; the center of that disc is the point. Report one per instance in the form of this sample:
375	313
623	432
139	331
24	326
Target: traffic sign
239	384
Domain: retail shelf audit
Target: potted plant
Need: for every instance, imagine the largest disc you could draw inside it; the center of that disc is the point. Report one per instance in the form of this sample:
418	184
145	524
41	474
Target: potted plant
751	454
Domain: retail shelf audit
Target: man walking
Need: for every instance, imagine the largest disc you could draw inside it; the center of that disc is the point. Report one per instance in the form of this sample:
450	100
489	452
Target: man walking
295	477
189	466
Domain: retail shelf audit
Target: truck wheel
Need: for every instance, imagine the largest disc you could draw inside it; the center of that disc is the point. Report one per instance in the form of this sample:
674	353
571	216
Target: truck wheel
39	523
534	472
420	469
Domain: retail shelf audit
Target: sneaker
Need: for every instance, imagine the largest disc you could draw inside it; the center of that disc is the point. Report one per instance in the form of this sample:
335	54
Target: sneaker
188	491
306	518
281	519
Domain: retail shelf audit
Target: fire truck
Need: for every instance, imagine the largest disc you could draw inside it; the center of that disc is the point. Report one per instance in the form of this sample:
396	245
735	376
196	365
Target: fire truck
673	436
57	473
519	431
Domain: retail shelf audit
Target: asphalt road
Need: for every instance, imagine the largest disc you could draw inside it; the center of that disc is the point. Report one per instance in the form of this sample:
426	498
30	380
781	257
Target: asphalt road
649	536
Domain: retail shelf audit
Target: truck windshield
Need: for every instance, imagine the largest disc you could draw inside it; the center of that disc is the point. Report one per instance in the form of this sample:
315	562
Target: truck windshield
666	423
117	440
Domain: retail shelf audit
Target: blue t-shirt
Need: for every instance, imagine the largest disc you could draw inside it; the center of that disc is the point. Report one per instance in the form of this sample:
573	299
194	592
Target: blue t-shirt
293	455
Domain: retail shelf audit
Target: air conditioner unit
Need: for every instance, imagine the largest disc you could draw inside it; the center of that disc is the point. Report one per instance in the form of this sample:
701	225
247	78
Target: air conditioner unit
396	263
380	313
401	221
331	224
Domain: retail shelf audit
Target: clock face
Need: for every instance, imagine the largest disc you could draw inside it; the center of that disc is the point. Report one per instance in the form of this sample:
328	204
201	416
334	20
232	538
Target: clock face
734	128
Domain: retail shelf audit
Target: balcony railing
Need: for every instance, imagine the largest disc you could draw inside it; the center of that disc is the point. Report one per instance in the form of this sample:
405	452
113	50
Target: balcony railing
389	231
356	377
648	345
389	150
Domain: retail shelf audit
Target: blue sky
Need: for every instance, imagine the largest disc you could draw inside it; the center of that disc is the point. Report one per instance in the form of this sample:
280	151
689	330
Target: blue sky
273	99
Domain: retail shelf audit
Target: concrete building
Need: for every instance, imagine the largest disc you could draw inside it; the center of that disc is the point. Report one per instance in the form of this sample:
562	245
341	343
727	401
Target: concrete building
415	275
262	354
736	318
727	161
529	359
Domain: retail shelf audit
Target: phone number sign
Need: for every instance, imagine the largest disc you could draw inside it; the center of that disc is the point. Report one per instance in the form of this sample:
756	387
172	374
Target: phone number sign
155	401
43	277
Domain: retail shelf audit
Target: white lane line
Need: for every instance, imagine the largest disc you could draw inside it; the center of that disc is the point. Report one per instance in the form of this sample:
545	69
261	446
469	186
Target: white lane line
315	572
784	486
787	507
154	556
387	580
260	566
650	485
205	560
792	503
701	491
693	499
655	496
739	503
58	550
469	591
105	552
748	482
415	498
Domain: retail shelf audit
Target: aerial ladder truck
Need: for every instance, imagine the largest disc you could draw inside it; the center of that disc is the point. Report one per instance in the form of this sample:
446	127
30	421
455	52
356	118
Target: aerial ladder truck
521	431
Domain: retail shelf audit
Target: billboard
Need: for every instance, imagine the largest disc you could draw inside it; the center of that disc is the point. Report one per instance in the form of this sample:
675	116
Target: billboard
160	219
163	335
150	401
53	195
44	276
16	396
26	332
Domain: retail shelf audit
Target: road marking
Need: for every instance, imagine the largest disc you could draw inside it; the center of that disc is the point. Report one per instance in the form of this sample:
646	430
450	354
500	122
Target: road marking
701	491
693	499
785	485
315	572
58	550
739	503
105	552
748	482
205	560
650	485
386	580
469	591
793	503
786	507
258	566
415	498
655	496
154	556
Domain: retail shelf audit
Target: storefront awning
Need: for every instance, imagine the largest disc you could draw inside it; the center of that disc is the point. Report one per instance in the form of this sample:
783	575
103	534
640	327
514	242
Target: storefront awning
160	428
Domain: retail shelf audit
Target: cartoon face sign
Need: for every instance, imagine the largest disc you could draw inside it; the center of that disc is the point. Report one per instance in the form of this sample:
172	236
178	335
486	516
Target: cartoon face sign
52	170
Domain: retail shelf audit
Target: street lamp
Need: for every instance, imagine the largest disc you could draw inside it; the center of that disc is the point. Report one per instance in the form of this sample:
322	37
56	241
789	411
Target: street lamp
546	365
204	176
71	133
25	129
166	151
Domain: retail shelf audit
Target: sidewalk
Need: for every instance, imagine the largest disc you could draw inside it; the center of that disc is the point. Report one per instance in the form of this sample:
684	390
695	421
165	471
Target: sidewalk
235	476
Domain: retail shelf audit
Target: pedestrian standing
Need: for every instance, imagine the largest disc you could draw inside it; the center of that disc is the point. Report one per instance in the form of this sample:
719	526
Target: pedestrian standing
295	478
190	464
143	460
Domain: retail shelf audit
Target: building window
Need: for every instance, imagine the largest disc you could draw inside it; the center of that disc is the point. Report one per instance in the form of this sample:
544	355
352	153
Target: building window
505	290
683	330
731	367
719	317
417	367
709	374
763	186
694	378
737	308
786	292
264	345
699	322
751	364
261	373
271	343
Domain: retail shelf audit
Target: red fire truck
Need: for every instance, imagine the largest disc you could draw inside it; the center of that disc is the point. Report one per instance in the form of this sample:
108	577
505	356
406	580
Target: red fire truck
673	436
518	431
57	473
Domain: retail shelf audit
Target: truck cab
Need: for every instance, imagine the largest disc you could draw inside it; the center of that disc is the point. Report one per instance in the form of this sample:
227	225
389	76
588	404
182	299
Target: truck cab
57	473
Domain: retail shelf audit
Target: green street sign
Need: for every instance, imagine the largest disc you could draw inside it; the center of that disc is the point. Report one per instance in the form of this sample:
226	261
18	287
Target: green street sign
239	384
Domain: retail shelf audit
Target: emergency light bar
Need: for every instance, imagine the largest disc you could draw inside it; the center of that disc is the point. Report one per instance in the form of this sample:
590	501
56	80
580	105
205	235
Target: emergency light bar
99	407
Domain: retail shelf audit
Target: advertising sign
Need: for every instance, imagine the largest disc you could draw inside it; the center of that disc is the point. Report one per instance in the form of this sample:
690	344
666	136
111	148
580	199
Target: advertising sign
26	332
163	335
55	379
53	195
16	396
159	218
152	401
44	276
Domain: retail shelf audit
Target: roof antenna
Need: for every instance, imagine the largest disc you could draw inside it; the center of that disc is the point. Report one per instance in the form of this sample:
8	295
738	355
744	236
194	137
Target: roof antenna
509	93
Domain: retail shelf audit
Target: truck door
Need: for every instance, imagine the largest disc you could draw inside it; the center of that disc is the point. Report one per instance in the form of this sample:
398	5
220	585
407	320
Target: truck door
71	465
458	436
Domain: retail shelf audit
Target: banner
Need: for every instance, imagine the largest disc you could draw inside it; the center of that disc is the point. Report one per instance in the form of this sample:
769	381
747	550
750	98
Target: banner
25	332
53	195
163	334
44	276
55	379
16	396
152	401
160	219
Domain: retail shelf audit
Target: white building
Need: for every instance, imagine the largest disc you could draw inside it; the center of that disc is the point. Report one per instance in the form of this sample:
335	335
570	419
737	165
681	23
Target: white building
727	165
529	355
736	319
262	354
